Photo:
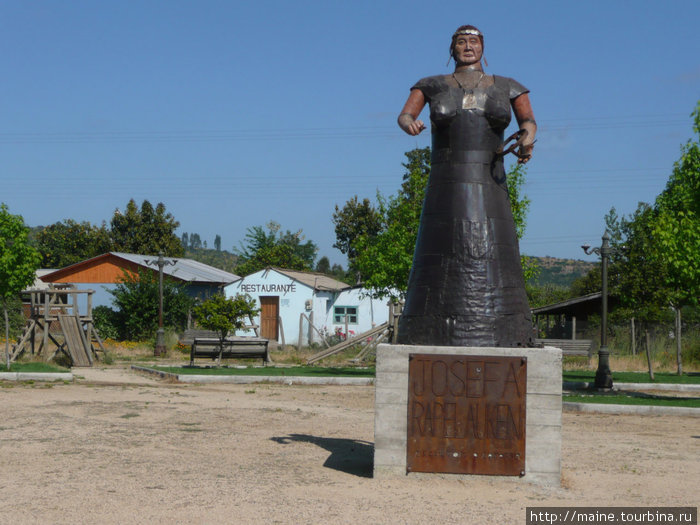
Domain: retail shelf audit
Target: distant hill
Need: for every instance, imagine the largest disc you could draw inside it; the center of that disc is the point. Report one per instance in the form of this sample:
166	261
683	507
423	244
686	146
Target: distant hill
217	258
560	272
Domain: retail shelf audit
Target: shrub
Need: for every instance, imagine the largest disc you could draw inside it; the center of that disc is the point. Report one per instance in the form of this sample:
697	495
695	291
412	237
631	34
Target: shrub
106	322
136	304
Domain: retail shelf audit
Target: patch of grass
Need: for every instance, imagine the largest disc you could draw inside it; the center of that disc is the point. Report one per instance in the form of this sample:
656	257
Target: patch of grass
314	371
33	366
633	399
692	378
129	415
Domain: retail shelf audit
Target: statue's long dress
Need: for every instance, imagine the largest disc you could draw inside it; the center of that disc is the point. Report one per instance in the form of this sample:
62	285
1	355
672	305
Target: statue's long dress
466	286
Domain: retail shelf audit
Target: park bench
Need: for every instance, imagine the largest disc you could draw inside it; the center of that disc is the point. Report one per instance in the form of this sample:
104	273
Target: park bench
188	337
569	347
234	347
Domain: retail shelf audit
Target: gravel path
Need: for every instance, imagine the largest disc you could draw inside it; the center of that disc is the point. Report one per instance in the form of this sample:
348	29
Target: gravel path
119	447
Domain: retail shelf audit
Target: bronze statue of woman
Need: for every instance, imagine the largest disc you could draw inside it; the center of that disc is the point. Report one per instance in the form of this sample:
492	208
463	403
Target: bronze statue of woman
466	286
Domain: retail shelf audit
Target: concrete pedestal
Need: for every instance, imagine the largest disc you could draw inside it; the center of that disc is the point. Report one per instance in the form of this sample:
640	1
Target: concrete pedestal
543	408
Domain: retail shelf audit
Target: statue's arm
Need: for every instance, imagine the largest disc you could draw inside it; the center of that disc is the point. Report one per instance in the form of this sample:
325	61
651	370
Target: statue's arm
526	120
408	119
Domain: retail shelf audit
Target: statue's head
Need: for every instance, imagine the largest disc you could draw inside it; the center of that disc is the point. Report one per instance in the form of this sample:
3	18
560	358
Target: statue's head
467	46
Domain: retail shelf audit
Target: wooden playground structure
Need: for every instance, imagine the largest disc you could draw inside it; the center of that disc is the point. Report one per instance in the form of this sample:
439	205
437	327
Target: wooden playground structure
54	315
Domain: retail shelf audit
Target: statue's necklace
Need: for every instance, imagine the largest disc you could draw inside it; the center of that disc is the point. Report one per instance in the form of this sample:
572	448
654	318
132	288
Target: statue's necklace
468	97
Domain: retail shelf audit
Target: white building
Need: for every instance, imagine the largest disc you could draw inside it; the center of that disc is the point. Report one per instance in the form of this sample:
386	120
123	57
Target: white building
290	300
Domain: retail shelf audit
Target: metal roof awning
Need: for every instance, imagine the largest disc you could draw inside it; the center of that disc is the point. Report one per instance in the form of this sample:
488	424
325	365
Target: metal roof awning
578	306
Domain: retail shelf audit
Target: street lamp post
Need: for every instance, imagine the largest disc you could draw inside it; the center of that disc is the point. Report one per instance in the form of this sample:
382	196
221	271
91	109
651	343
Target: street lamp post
161	262
603	376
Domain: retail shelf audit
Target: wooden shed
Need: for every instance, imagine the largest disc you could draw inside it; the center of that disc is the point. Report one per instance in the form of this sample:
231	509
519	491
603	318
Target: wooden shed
103	272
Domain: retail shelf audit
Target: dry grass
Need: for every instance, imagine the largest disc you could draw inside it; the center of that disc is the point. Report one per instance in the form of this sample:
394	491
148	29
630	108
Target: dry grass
293	356
628	363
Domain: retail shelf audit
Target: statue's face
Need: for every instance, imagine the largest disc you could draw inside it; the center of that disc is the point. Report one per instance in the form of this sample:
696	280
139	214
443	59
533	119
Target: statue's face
468	50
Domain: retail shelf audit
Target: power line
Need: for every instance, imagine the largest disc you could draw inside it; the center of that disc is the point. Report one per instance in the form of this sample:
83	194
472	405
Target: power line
315	133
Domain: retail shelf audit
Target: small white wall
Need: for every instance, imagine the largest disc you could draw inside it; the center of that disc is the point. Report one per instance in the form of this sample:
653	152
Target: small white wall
293	297
370	312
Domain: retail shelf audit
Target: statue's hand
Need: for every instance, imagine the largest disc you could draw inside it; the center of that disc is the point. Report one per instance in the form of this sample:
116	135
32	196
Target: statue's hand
416	127
410	125
525	153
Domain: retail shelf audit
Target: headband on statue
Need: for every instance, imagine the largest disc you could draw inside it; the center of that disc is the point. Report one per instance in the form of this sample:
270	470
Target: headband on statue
474	32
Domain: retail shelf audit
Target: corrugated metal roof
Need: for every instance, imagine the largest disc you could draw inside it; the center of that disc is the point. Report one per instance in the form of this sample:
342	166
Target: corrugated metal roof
317	281
563	306
184	269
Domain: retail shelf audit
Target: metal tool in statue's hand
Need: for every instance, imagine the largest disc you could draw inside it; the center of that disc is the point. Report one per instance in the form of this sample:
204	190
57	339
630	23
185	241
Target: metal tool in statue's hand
517	140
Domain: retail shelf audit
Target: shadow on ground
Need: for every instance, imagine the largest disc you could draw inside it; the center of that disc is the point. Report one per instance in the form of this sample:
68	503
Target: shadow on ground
347	455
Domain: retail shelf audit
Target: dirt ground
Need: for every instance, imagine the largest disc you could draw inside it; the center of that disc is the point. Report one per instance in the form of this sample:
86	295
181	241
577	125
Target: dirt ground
117	447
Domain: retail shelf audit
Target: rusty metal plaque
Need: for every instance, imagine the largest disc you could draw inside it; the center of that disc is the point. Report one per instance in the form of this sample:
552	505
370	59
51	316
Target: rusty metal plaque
466	414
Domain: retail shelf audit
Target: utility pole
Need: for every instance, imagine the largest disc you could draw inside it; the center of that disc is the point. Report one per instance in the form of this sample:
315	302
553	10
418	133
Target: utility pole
603	376
161	262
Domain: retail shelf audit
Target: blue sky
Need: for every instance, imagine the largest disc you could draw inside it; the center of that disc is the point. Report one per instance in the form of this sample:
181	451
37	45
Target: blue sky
236	113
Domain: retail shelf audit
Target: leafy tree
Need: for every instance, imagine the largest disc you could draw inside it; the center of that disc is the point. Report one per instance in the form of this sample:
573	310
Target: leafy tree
384	259
107	322
217	243
335	271
224	315
185	240
18	264
195	242
275	248
323	265
146	231
135	301
588	283
546	294
657	261
676	229
520	206
519	203
636	274
68	242
354	220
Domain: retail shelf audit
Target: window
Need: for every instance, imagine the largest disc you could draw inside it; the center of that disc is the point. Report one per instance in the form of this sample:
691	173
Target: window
339	313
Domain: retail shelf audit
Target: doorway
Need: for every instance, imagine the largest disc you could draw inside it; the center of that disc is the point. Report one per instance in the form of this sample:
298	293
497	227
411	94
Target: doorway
269	317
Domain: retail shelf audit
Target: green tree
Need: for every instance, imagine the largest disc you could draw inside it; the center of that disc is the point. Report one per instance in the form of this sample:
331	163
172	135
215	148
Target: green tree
225	315
18	264
354	220
636	275
195	242
546	294
145	231
135	302
323	265
338	273
68	242
676	229
384	259
217	243
272	247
